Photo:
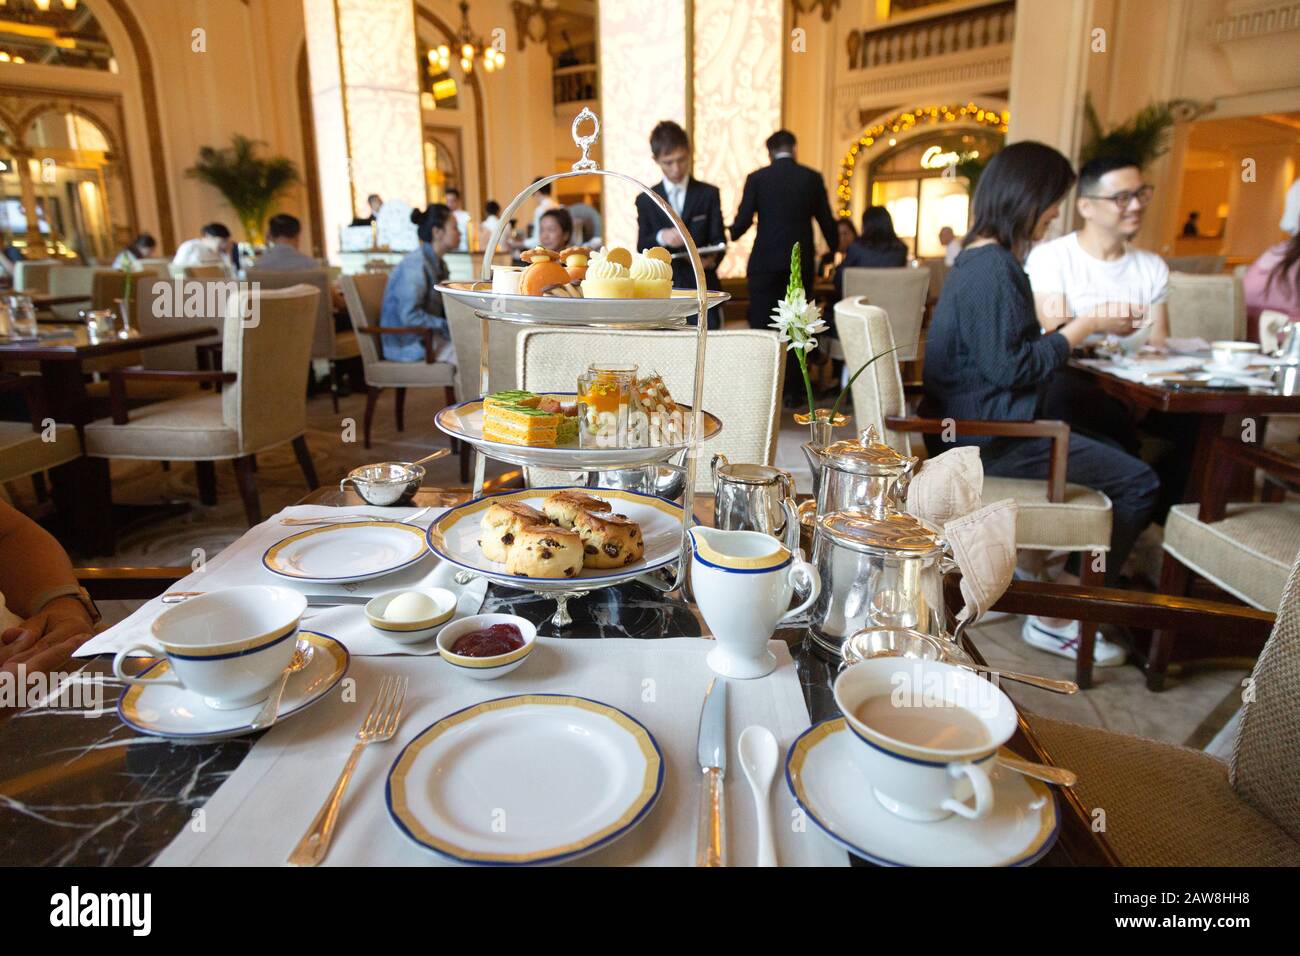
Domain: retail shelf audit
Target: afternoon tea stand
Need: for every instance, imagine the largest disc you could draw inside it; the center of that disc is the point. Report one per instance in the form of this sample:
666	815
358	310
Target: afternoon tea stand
611	314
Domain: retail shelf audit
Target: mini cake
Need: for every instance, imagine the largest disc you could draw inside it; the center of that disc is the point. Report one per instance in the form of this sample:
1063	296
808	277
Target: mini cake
575	259
652	274
608	540
564	507
545	552
501	523
608	276
544	273
521	425
505	279
513	396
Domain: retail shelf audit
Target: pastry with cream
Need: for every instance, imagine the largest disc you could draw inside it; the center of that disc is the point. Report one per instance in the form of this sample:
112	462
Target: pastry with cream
608	275
545	275
652	274
575	260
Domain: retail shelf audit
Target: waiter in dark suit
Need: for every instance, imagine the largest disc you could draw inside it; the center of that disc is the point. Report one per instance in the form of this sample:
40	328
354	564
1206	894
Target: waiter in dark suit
786	197
698	204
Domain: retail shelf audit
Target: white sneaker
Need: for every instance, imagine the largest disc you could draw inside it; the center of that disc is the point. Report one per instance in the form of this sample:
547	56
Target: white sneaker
1064	642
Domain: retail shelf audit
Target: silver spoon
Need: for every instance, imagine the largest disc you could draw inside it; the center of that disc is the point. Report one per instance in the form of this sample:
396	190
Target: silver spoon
758	755
1046	683
1039	771
302	655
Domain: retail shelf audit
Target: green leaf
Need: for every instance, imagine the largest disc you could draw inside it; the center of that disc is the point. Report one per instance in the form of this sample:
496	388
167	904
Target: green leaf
249	183
835	409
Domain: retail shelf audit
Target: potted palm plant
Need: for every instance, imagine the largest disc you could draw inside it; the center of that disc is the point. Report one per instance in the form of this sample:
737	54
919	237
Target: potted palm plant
1143	137
250	183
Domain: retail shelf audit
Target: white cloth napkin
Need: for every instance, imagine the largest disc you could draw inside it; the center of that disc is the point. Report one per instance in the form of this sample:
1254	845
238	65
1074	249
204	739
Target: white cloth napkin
259	814
241	563
984	545
947	486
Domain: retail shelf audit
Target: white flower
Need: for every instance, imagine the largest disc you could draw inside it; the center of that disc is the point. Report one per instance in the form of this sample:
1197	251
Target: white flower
797	320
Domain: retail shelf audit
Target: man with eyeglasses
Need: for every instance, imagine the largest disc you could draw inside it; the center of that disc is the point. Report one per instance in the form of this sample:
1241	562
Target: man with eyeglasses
1094	270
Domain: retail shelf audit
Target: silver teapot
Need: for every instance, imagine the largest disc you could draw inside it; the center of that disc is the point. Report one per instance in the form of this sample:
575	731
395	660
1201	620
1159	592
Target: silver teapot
861	473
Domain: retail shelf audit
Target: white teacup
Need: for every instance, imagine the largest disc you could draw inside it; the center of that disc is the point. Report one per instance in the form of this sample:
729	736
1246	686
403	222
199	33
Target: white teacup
229	647
965	720
743	582
1237	355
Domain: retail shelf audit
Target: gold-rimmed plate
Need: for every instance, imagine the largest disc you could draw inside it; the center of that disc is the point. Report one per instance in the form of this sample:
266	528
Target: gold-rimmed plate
348	551
525	780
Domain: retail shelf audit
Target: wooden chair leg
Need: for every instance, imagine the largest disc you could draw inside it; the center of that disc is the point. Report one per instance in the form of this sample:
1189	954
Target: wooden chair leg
247	480
1174	579
372	399
334	384
167	466
1087	629
1273	492
305	462
401	409
205	472
38	487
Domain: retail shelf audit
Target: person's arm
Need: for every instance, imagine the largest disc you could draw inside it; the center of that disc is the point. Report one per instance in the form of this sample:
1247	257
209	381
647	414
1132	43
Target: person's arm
409	302
717	232
646	233
745	214
825	218
1159	326
1052	310
32	564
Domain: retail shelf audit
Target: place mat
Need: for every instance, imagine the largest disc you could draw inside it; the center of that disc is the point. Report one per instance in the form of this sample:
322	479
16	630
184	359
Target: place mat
241	563
261	812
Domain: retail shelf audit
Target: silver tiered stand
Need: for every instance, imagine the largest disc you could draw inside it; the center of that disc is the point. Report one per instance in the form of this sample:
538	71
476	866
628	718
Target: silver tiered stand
673	576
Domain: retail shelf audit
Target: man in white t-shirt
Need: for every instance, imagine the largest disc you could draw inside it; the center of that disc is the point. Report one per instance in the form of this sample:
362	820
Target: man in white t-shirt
457	206
951	245
1095	270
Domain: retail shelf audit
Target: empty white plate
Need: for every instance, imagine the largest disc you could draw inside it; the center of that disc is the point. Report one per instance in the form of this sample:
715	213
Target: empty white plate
824	777
164	710
537	778
349	551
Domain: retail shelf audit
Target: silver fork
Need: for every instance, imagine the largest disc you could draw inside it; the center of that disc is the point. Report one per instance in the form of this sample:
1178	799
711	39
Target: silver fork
379	726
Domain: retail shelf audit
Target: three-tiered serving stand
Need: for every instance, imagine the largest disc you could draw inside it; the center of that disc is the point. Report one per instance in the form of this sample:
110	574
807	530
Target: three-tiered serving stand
612	314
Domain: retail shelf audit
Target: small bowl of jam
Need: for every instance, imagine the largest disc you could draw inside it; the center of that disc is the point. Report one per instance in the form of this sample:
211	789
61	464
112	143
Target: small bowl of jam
487	646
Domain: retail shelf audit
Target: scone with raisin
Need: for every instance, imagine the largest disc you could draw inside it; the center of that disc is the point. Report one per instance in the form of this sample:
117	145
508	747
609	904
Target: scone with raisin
545	551
502	523
563	507
608	540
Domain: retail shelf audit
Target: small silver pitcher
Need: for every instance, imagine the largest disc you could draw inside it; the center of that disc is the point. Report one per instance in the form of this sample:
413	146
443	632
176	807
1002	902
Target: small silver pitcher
754	498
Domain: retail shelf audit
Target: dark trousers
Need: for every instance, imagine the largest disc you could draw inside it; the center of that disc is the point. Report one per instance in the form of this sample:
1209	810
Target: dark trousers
1082	405
766	289
1101	465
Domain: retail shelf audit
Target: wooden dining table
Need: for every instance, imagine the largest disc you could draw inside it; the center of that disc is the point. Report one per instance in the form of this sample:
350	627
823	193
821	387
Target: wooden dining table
105	795
1209	411
82	488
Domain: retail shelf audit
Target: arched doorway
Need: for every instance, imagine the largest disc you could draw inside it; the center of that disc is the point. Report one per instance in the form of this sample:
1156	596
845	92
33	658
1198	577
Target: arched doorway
912	163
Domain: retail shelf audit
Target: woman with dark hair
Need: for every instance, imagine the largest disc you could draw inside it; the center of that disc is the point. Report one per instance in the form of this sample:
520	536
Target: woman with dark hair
410	299
877	248
555	229
986	357
1273	280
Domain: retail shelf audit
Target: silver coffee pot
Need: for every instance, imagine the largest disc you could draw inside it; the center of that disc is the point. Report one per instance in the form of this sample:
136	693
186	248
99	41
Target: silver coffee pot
858	473
755	498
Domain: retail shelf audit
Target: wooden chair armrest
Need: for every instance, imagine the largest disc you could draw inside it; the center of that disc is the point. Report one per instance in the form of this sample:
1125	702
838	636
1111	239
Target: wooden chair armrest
1058	432
1134	609
913	388
425	334
126	584
117	379
1228	452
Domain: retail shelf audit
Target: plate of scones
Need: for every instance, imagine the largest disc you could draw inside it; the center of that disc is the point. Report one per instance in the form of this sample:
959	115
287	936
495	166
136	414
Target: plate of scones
544	538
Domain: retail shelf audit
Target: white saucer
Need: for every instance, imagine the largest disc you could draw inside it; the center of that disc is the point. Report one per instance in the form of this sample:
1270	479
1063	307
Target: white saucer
347	551
168	711
824	778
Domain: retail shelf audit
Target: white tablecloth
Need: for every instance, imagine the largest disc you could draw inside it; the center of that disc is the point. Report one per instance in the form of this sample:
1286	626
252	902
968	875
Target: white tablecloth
260	813
241	563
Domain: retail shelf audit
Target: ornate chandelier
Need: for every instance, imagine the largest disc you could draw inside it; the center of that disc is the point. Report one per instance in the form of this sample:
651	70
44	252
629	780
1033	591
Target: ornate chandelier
469	47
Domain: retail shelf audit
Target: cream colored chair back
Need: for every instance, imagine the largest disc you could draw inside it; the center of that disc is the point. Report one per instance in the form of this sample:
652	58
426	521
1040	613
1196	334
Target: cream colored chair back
72	280
1265	765
33	278
466	339
864	331
1211	307
364	294
1196	265
164	304
267	404
743	374
322	346
205	272
901	293
106	287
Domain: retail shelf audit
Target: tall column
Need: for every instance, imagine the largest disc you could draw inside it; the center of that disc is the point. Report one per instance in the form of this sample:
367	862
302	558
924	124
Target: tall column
365	94
27	186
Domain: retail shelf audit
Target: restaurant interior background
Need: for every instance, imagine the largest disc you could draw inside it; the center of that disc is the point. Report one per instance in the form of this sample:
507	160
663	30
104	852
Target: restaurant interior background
105	106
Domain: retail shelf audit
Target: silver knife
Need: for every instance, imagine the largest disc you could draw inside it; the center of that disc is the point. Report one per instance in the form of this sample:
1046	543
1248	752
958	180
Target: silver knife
313	600
711	837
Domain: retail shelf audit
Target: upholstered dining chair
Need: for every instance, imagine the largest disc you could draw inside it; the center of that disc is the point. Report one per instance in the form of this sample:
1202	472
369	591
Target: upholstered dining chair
467	339
1167	805
205	272
24	450
1244	548
32	277
328	345
1196	265
1053	515
743	375
262	402
1211	307
364	294
901	293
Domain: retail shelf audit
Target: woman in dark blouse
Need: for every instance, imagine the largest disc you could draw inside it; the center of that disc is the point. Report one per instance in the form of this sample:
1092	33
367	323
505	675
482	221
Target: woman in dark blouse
877	248
986	357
